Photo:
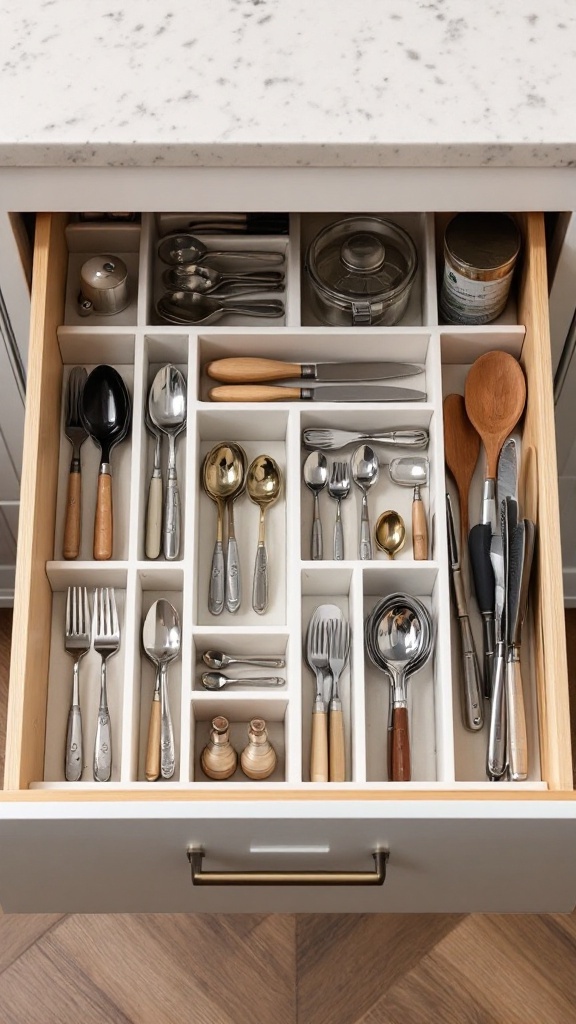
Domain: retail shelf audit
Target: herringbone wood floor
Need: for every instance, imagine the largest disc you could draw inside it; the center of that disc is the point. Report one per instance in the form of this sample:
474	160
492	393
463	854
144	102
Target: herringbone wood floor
302	969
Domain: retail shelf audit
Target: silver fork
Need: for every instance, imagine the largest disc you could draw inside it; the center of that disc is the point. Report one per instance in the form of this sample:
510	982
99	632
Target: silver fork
77	644
338	648
106	635
76	434
339	488
318	661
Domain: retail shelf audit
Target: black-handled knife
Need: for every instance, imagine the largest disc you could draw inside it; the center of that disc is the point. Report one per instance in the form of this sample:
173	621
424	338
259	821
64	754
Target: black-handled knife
484	586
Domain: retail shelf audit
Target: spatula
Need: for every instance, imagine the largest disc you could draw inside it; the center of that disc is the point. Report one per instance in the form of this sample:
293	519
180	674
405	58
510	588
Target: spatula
495	397
461	450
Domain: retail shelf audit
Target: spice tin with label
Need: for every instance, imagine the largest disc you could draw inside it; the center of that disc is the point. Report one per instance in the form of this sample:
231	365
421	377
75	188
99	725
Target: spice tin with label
480	252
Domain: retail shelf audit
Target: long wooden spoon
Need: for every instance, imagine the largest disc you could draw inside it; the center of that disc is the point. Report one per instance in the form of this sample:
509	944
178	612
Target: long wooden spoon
461	451
495	397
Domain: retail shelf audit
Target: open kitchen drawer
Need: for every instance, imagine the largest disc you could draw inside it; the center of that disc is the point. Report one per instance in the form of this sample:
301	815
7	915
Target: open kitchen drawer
455	841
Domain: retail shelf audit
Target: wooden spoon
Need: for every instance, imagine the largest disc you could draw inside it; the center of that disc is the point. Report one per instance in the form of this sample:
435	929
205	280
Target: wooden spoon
461	451
495	396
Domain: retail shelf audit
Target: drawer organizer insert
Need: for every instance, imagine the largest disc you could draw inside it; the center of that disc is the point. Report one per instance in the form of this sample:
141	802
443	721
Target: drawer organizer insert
444	755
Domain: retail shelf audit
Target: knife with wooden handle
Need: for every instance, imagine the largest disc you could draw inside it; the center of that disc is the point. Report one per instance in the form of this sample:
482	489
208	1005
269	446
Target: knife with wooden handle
247	370
324	393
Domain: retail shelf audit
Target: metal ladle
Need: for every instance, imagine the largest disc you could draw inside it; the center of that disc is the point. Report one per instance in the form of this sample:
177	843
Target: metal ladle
161	642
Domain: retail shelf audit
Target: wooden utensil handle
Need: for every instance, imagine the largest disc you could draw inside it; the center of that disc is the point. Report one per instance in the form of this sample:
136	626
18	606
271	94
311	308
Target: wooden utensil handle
253	393
154	518
401	771
319	748
419	531
337	758
245	370
71	545
153	746
103	518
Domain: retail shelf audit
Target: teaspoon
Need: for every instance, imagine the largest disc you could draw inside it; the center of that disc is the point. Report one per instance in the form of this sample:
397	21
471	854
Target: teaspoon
365	469
218	681
219	660
315	475
189	308
181	248
192	277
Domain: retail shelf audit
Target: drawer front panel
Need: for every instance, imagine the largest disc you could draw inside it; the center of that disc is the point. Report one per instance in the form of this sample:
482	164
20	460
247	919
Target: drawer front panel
438	862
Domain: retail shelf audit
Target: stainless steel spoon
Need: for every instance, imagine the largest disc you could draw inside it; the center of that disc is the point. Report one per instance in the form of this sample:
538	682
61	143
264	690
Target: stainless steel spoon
154	507
233	595
315	475
189	308
192	277
220	482
179	248
263	483
161	642
365	469
219	660
218	681
167	406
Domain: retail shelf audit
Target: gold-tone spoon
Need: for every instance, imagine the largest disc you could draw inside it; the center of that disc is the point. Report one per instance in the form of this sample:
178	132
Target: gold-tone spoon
263	483
390	532
222	476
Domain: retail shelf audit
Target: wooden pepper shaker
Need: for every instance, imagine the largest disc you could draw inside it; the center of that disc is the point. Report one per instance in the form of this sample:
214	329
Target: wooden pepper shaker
258	759
219	759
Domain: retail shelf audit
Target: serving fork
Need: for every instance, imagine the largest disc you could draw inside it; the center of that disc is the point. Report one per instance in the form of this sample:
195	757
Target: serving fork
106	637
77	644
339	488
76	434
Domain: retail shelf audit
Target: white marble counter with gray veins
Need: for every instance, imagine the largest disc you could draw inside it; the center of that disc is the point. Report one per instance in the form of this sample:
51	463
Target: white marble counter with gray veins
288	83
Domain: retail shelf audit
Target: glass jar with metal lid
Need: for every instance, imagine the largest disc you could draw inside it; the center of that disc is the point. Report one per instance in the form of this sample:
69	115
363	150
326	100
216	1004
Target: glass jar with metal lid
480	252
361	272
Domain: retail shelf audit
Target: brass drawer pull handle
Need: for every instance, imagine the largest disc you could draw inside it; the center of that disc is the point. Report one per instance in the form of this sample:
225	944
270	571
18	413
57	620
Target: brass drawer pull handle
200	877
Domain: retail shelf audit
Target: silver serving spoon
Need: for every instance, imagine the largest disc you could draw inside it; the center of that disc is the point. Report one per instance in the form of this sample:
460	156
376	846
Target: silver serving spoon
161	642
315	474
219	660
365	469
192	277
167	407
218	681
189	308
181	248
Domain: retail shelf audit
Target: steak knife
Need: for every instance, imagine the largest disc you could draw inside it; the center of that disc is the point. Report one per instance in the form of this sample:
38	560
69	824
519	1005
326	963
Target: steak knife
324	393
252	371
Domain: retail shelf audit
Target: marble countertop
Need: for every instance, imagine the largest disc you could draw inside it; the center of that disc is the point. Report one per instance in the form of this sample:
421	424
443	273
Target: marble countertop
366	83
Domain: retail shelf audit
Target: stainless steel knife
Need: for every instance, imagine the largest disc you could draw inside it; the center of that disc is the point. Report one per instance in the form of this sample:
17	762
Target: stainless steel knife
324	393
507	488
473	704
521	554
245	370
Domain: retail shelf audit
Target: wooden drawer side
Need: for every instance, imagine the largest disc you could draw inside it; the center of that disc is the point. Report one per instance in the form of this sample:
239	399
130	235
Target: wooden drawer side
547	595
33	600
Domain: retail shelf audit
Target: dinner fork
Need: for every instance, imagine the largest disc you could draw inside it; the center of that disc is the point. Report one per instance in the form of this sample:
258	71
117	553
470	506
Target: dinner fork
106	635
339	488
76	434
318	660
338	648
77	644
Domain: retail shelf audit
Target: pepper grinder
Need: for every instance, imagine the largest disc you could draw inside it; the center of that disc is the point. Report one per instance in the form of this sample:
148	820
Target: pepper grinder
258	759
219	760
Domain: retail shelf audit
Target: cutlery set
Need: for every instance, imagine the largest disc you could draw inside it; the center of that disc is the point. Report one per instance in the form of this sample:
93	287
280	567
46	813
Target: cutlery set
501	548
97	405
224	479
327	650
363	469
200	289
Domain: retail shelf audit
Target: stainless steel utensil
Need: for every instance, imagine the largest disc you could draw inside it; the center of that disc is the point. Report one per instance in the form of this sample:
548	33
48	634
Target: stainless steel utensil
218	660
324	393
317	656
161	642
190	308
244	370
77	644
412	471
167	407
180	247
106	638
339	489
264	484
220	481
315	474
76	433
338	650
330	438
472	703
218	681
154	506
233	589
365	471
192	277
519	549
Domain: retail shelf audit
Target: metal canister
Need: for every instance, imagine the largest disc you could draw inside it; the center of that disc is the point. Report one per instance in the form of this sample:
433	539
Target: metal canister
480	252
103	285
